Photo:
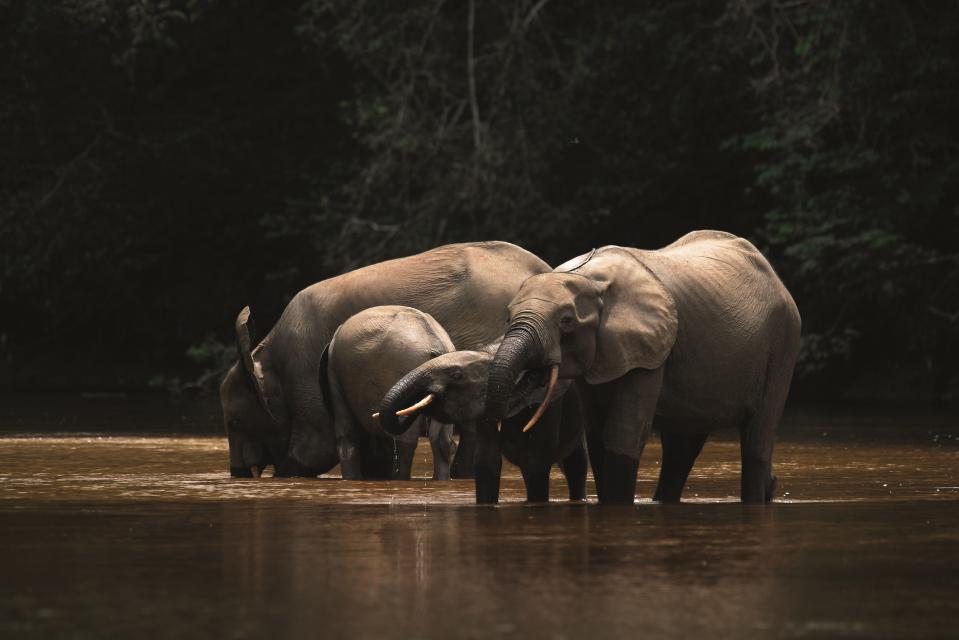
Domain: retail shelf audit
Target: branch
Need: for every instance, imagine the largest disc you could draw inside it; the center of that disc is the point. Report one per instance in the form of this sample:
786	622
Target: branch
471	73
951	317
532	13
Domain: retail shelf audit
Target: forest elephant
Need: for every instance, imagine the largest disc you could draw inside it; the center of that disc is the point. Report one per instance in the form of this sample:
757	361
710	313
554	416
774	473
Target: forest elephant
367	355
273	406
699	335
452	388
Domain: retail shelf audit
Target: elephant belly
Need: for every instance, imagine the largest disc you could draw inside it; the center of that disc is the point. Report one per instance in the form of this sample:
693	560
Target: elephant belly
699	398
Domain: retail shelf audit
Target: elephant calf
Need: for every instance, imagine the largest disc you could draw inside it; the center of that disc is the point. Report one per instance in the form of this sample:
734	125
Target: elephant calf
452	388
368	354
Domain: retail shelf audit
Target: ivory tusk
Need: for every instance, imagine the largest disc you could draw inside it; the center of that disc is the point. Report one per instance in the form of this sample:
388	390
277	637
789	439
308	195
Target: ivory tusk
499	426
428	398
255	470
376	416
553	377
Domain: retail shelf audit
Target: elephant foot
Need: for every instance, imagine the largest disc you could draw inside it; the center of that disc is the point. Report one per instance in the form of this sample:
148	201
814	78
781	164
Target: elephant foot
293	468
241	472
487	484
757	481
619	478
771	488
665	497
537	483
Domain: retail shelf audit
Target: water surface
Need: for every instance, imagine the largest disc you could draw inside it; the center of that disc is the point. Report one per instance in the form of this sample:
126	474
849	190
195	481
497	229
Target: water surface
113	533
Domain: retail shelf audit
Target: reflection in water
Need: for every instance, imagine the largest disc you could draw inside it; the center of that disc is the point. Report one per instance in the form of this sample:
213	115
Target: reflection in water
134	535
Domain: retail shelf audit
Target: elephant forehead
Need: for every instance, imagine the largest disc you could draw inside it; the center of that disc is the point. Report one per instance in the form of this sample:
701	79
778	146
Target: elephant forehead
460	358
551	288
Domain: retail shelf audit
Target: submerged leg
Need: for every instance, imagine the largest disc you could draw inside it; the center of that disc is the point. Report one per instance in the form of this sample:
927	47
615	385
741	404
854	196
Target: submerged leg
463	460
574	469
536	478
404	449
679	454
441	443
631	402
488	462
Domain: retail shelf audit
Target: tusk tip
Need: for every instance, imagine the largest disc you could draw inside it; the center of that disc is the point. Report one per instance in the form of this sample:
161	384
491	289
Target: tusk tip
376	416
427	399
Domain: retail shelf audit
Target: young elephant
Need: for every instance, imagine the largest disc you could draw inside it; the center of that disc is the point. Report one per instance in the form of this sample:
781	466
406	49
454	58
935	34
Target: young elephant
452	388
368	353
700	335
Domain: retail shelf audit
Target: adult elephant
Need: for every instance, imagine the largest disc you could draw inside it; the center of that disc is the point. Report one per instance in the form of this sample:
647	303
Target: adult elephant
272	402
699	335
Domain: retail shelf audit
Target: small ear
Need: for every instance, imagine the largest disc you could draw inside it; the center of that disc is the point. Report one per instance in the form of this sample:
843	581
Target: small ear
638	321
272	403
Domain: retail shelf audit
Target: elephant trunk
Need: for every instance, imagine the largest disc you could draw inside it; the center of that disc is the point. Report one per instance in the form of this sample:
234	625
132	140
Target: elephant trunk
520	348
410	391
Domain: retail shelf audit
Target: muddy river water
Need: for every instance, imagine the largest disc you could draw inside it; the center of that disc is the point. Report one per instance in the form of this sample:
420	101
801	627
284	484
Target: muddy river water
118	519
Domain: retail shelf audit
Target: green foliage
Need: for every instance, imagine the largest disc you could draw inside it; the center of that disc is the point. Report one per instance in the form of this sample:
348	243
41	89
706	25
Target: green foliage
165	162
858	159
213	356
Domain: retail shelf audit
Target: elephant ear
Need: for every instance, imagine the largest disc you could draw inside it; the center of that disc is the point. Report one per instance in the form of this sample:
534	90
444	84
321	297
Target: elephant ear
638	322
266	392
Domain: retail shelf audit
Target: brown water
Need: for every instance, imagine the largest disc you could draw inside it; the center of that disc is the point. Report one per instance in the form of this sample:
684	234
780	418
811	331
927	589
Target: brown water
110	533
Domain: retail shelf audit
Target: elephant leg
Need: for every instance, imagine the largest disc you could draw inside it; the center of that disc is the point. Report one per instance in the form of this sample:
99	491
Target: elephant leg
758	432
488	462
631	401
441	443
404	449
348	433
595	418
463	460
757	482
348	448
574	469
679	454
377	457
536	478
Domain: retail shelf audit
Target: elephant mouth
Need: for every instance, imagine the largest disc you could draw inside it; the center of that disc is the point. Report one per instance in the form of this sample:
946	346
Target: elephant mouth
530	389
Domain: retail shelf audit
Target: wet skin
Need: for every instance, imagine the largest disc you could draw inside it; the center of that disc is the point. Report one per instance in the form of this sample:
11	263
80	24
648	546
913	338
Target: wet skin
127	535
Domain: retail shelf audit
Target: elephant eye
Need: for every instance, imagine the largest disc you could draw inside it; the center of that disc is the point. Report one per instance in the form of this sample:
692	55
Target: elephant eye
456	374
566	322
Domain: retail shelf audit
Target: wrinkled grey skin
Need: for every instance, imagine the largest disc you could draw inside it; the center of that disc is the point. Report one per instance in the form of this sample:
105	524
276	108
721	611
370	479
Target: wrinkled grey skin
368	354
273	406
699	335
458	381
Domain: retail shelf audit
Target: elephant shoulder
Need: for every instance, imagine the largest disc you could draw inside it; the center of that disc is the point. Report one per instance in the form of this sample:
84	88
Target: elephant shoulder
700	236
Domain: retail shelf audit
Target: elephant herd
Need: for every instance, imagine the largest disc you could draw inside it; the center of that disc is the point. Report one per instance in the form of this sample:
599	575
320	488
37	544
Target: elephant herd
536	364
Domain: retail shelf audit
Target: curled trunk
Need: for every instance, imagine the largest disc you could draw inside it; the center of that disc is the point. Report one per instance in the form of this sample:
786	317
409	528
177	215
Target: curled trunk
520	348
409	390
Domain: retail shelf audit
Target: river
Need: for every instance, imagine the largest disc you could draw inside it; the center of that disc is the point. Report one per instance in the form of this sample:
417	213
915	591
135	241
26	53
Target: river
119	519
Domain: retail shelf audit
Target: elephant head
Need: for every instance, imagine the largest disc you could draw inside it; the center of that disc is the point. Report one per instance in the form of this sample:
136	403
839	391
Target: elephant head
253	410
450	388
596	317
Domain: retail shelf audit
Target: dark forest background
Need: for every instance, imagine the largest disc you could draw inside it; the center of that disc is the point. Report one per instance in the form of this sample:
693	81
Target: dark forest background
163	163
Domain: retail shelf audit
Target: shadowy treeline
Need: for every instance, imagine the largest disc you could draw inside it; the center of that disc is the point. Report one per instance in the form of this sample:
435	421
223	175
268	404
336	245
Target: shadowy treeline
163	163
